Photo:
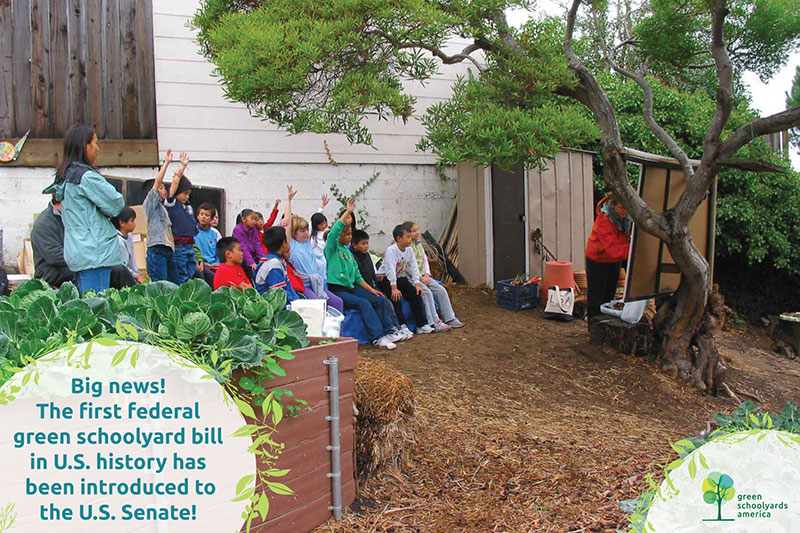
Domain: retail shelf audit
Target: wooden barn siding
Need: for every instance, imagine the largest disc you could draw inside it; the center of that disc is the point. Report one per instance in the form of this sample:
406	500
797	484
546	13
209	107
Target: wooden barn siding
560	202
193	114
67	61
306	438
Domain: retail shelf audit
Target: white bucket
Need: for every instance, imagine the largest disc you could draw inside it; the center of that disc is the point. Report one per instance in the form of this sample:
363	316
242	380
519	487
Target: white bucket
332	325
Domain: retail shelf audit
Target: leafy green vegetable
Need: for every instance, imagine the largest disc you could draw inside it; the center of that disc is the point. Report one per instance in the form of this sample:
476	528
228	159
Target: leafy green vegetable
223	330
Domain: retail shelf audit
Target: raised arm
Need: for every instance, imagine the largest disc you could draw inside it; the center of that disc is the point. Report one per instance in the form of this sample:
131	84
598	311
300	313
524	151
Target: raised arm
287	213
176	177
163	170
351	205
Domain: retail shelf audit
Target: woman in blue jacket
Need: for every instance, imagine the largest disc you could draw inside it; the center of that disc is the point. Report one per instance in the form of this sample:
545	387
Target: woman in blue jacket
88	201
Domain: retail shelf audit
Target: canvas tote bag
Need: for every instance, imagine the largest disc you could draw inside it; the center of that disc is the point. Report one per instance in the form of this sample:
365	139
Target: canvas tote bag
560	303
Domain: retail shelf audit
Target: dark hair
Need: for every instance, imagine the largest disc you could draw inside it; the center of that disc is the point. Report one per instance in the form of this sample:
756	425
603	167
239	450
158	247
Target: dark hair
316	220
352	216
243	215
207	207
409	224
75	141
259	215
125	214
399	231
359	235
274	238
224	245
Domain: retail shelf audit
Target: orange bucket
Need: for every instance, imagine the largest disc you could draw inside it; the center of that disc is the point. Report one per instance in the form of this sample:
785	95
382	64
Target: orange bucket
557	273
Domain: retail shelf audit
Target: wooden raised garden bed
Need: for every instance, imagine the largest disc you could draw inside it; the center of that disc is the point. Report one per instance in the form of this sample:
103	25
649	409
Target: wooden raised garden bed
306	438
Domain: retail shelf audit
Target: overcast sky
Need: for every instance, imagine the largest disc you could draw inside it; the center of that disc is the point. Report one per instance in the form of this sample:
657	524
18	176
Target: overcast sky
768	98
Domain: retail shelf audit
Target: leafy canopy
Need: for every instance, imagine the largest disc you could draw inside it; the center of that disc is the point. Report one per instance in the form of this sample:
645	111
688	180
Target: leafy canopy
323	66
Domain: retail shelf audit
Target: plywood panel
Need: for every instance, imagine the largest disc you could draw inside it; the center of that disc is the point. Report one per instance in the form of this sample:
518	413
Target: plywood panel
40	68
576	212
549	208
563	250
662	187
23	93
535	213
471	223
77	87
6	67
60	103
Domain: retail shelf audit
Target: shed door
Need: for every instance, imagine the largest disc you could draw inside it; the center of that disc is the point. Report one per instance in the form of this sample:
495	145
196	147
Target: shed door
508	222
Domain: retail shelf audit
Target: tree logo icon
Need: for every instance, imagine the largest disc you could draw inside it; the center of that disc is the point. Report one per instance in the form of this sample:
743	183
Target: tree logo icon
718	489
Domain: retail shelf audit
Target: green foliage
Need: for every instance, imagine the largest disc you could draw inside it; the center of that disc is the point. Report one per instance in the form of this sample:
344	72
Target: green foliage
759	34
223	331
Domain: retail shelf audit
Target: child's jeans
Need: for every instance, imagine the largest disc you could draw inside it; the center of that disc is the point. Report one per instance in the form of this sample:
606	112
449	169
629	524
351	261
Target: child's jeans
433	294
161	264
185	264
372	309
93	279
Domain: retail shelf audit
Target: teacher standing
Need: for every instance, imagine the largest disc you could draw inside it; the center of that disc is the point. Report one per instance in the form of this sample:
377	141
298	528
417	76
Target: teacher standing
88	201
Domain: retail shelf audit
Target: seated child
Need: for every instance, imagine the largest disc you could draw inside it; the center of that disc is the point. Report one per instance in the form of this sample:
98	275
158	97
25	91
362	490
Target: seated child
125	223
160	242
184	225
345	280
206	241
432	289
401	278
246	231
317	237
230	272
271	270
359	246
310	267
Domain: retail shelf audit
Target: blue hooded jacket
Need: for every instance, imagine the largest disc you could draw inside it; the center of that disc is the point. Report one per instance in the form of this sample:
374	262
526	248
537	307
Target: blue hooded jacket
87	203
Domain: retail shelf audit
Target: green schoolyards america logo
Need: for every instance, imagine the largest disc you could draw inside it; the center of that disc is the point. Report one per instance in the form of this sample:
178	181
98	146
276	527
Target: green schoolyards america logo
744	480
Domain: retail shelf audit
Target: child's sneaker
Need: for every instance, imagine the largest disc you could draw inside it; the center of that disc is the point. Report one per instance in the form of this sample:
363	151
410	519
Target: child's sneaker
385	343
425	329
441	326
406	332
455	323
396	336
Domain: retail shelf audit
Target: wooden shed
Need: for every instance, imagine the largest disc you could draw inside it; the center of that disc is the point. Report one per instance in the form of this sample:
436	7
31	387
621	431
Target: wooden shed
499	212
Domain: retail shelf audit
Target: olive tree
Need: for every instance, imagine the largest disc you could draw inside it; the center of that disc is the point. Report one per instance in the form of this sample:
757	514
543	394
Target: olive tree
325	66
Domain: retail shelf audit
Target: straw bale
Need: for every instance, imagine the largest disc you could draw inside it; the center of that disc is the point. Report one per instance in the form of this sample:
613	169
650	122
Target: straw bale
385	403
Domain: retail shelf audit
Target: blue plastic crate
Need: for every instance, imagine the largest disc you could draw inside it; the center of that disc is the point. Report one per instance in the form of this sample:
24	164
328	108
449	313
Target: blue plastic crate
517	297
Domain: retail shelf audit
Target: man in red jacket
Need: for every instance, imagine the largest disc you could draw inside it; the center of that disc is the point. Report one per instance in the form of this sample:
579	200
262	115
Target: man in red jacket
606	248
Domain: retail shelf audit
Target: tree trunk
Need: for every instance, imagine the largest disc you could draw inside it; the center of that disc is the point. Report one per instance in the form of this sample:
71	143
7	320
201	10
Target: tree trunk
686	323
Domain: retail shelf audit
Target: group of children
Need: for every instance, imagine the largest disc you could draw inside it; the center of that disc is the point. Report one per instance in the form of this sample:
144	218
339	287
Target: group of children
306	261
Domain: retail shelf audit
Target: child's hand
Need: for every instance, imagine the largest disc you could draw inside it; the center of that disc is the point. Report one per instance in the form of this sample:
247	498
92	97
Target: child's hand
184	159
419	289
396	294
351	204
426	279
325	200
168	157
277	203
199	267
292	192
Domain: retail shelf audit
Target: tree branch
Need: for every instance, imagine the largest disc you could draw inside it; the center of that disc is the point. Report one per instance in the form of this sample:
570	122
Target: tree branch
650	120
699	183
615	172
762	126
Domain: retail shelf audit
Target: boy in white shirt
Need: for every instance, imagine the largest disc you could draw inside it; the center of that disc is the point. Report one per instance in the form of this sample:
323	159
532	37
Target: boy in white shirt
401	278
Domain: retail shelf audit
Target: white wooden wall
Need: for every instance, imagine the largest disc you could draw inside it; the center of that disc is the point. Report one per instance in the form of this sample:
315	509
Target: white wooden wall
193	115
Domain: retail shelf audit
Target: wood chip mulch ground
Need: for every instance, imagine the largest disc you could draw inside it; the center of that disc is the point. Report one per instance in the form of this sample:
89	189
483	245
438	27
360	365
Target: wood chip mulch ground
522	425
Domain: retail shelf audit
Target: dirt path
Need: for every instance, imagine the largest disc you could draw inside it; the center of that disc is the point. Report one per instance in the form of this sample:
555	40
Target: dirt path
523	426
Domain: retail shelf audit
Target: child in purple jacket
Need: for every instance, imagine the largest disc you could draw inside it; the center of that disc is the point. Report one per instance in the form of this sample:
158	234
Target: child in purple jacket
246	232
